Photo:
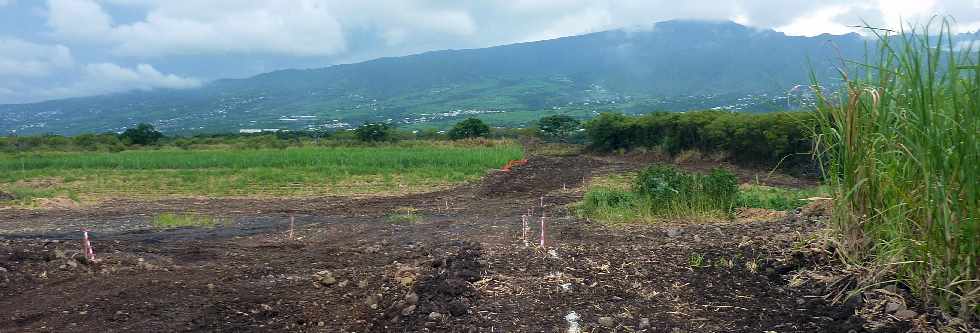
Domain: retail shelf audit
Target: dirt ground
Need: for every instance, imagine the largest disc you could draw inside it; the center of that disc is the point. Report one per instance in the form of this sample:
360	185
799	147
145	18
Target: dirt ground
461	267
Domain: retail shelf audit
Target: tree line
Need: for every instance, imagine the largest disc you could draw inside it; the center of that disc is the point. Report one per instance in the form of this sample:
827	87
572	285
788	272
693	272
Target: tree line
763	139
770	139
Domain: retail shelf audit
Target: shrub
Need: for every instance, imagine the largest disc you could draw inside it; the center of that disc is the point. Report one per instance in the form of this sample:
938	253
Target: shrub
608	132
663	192
469	128
143	134
375	132
672	192
746	138
558	127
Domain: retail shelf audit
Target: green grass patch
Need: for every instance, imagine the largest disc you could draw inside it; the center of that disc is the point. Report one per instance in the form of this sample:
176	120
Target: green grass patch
777	198
302	171
679	195
171	221
404	215
661	192
26	196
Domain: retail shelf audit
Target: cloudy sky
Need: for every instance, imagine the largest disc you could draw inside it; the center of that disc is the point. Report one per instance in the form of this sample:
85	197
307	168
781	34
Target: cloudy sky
66	48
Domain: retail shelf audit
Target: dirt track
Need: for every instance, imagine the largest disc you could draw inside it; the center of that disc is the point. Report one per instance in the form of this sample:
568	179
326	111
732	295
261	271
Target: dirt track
462	268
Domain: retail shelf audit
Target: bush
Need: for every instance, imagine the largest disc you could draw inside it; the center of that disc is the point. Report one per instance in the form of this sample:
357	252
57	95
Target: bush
765	139
143	134
375	132
609	131
672	192
660	192
469	128
558	127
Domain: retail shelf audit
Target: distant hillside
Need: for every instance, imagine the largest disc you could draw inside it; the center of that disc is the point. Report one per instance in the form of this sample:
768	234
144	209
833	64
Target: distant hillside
676	66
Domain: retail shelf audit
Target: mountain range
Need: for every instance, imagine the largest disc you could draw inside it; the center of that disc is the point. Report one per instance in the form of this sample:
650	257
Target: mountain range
670	66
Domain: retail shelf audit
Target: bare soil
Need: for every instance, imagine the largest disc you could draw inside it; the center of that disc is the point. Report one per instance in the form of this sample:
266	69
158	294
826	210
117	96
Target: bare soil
462	267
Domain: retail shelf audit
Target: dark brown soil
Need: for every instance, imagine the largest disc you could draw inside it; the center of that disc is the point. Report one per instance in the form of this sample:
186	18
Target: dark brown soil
462	268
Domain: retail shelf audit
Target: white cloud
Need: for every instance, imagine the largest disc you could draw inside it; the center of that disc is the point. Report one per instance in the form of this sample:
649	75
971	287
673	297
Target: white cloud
143	77
25	59
106	78
302	27
92	79
78	20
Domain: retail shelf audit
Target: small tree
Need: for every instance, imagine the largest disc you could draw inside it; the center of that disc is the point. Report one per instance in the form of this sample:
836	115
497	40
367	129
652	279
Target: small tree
142	134
558	127
469	128
375	132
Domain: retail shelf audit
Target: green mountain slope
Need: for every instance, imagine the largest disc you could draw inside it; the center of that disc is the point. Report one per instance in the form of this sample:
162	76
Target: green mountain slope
676	65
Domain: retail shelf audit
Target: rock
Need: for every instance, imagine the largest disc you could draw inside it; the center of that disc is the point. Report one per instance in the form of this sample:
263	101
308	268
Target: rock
644	323
372	301
435	316
906	314
457	308
324	278
674	232
407	281
362	284
408	310
607	321
800	301
892	307
3	270
4	196
412	298
343	283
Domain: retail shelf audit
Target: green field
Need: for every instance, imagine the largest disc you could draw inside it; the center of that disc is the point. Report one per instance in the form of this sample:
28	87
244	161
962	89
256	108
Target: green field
301	171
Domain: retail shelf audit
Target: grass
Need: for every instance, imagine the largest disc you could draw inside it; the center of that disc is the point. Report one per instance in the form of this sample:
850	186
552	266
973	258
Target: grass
382	169
404	215
901	144
171	221
26	196
777	198
613	199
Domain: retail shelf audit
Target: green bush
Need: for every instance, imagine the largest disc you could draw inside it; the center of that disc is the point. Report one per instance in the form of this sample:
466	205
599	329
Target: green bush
375	132
766	139
142	134
671	190
558	127
664	192
469	128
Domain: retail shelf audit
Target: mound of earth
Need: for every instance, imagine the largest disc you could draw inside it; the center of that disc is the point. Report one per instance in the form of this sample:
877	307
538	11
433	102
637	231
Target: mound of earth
540	175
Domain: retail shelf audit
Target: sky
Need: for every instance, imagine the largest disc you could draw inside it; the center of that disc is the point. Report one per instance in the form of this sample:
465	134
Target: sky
51	49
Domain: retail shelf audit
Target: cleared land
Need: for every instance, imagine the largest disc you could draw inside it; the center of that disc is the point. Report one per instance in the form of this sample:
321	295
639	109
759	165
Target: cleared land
458	265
